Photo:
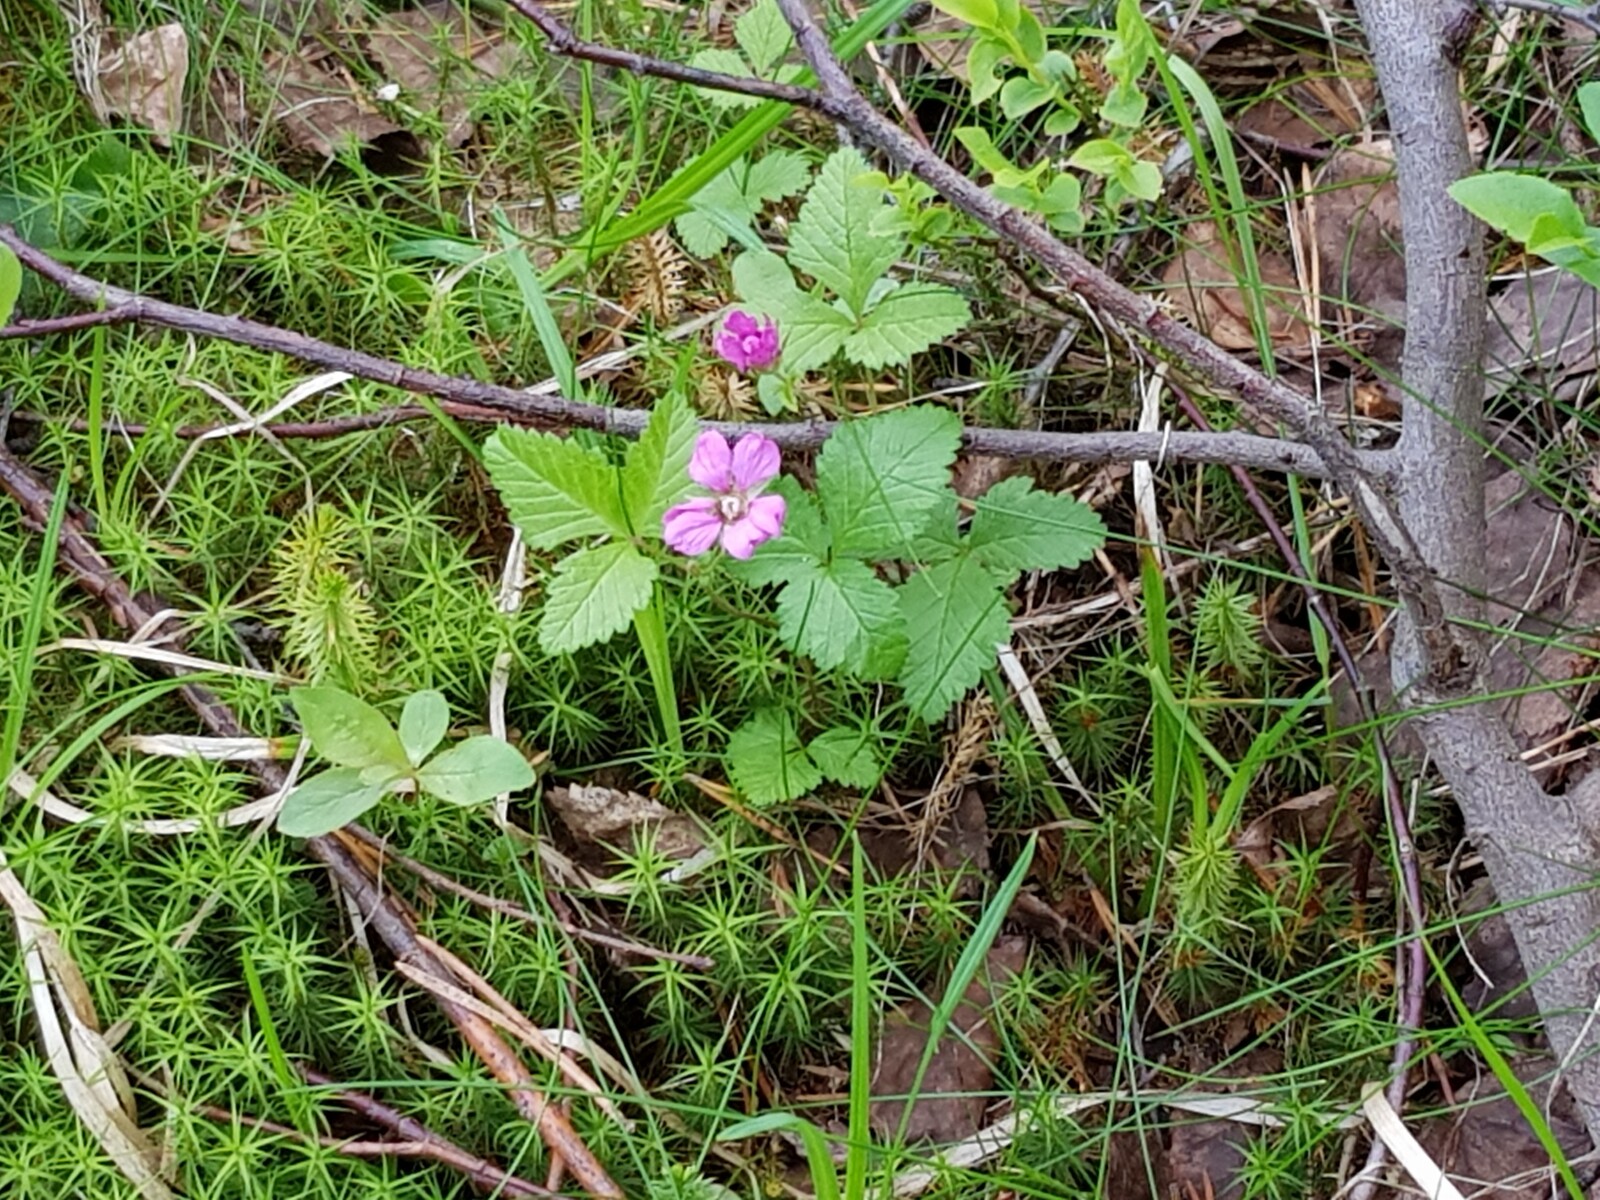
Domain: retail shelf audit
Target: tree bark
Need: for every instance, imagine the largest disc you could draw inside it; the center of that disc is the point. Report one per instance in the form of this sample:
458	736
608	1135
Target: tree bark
1532	847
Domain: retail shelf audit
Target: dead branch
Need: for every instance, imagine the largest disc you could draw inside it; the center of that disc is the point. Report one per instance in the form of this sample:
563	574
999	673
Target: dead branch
480	399
78	553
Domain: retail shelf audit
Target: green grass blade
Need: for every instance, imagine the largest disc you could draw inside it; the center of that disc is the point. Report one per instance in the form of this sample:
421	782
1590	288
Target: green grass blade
855	1165
24	656
537	301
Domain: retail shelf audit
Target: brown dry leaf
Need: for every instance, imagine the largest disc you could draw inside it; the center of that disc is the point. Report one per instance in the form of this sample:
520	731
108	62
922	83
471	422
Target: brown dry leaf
951	1103
1487	1147
319	106
142	80
1314	110
1546	323
1357	213
1203	289
959	844
610	817
438	59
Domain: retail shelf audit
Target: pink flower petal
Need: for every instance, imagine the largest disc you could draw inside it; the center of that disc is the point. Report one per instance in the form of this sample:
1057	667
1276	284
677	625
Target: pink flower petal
766	513
741	324
730	346
755	460
710	465
740	538
692	527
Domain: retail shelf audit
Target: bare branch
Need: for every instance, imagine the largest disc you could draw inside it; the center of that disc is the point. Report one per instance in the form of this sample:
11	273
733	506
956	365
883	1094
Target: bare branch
481	401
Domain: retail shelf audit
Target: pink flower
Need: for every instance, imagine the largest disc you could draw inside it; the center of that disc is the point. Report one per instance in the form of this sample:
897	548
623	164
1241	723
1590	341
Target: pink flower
736	513
749	344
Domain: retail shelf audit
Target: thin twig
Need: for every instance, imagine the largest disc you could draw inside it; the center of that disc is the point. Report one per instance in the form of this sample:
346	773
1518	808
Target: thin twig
1587	16
505	907
484	399
121	315
79	554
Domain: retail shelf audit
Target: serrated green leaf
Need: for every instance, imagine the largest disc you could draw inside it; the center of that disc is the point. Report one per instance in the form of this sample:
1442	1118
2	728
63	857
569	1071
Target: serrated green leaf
476	771
906	322
959	612
1511	202
1015	528
655	469
347	731
555	490
423	723
940	536
10	283
593	596
847	757
809	330
778	175
800	549
327	802
878	478
843	615
833	239
763	35
723	62
767	761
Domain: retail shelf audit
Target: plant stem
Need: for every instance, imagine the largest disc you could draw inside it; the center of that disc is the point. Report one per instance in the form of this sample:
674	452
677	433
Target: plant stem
651	627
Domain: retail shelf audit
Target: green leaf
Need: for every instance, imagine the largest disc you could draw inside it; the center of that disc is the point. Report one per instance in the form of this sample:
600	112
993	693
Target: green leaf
723	62
1100	156
1062	121
1015	528
778	175
346	731
985	153
1021	95
1511	202
982	13
1062	198
843	615
810	330
799	551
10	283
476	771
1029	34
1141	179
763	35
593	596
655	469
555	490
736	196
327	802
878	477
959	613
983	67
906	322
1125	105
1589	104
846	756
767	762
423	723
833	239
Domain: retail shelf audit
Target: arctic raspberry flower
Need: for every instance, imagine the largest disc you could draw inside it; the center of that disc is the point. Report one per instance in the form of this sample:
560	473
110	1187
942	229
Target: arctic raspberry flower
749	344
736	513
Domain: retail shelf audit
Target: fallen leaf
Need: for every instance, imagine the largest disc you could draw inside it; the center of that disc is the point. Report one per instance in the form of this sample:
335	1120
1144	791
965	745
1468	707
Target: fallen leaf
1487	1147
319	108
436	59
952	1100
961	843
1545	324
607	816
1357	224
1203	289
142	80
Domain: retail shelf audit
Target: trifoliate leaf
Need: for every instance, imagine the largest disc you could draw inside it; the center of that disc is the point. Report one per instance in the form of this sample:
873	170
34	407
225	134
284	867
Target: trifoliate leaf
843	615
811	330
327	802
763	35
655	470
724	62
1015	528
593	595
798	551
423	723
958	611
735	197
846	756
834	240
879	477
476	771
905	322
347	731
767	762
555	490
